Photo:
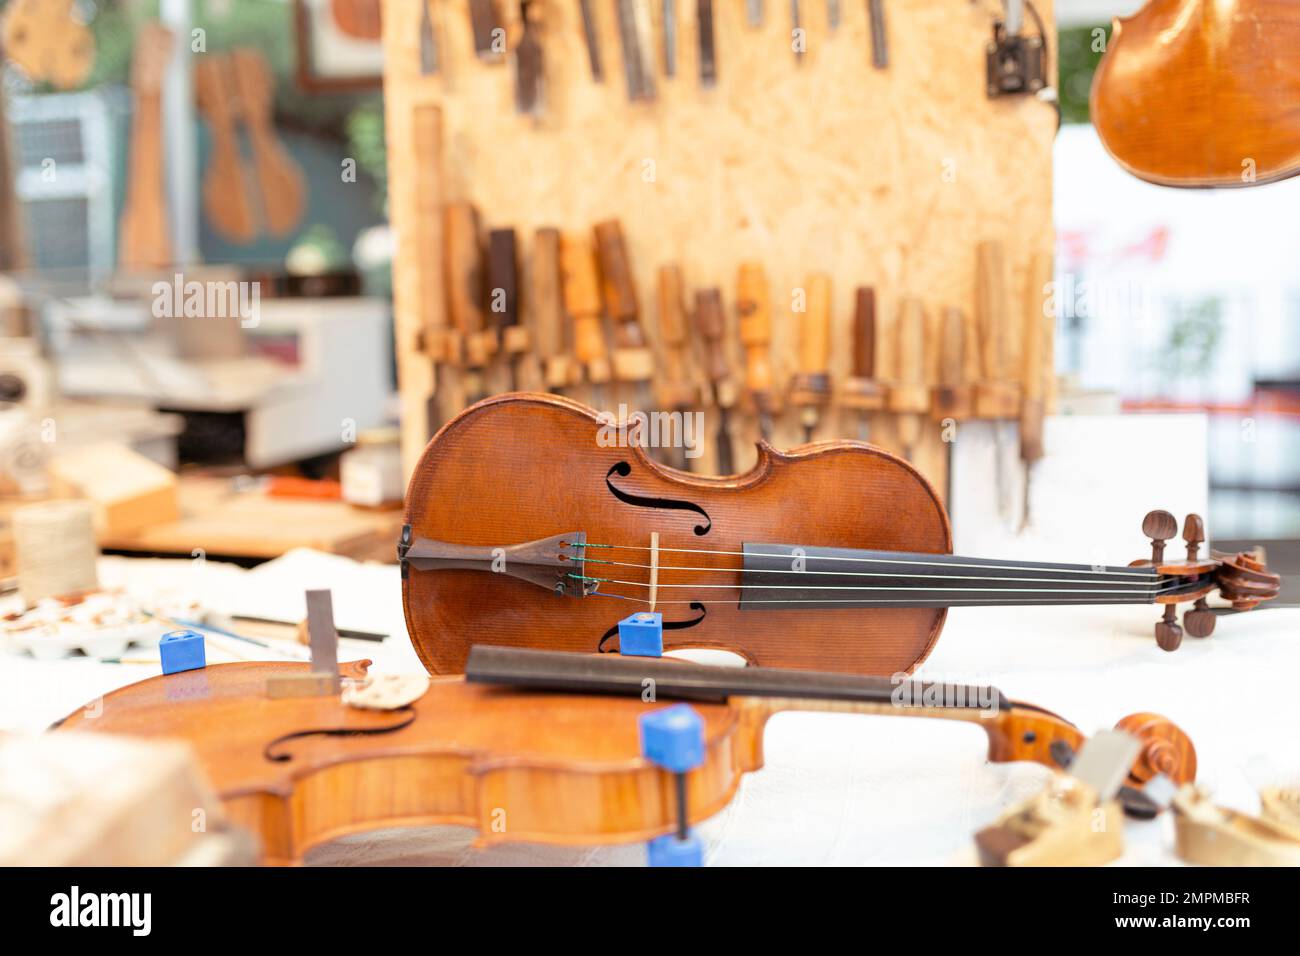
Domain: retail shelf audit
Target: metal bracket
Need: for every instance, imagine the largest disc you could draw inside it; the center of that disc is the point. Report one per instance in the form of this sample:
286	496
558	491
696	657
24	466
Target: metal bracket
1016	63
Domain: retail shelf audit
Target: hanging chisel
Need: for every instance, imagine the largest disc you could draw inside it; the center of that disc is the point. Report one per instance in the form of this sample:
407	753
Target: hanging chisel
951	399
909	396
546	306
632	359
711	323
530	76
592	35
833	14
754	13
428	44
754	311
996	398
862	392
489	36
1033	375
708	47
634	34
581	284
811	388
677	389
879	42
463	265
503	299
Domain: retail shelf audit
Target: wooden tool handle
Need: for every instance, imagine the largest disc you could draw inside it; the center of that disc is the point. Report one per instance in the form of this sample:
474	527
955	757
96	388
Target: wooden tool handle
503	277
909	352
754	310
617	287
672	309
463	258
1033	373
582	302
952	353
711	322
864	333
545	301
815	329
991	307
427	132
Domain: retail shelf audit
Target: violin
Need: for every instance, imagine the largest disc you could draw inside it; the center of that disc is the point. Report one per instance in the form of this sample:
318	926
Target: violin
1201	93
538	746
533	522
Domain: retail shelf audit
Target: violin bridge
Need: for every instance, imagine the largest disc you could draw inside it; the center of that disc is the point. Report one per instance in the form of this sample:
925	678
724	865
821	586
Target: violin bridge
557	563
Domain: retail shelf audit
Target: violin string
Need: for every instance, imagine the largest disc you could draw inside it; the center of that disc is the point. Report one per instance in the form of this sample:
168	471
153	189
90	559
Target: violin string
905	602
1145	573
852	574
1152	592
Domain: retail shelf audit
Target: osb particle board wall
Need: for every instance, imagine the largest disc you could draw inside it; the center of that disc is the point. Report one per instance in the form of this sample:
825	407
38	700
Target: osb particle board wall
876	177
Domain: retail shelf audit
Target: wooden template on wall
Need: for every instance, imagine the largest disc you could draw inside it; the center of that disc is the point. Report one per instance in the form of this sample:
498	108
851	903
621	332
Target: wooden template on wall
339	45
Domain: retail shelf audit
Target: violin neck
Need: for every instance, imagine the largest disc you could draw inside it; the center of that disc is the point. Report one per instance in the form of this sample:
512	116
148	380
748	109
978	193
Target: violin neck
791	577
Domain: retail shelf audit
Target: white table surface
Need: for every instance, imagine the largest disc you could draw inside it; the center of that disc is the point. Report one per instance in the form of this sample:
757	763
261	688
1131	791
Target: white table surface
836	789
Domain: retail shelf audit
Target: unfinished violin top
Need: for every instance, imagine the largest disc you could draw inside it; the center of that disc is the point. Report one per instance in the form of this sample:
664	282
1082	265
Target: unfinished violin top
1203	92
536	746
533	522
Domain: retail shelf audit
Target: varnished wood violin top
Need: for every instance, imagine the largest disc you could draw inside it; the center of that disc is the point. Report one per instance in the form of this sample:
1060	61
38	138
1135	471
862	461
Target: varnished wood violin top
1203	92
517	764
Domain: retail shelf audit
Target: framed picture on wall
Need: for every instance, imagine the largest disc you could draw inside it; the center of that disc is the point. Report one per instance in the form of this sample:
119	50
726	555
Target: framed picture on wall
340	47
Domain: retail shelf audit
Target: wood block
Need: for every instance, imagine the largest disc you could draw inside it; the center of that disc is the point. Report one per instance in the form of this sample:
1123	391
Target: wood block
952	401
129	491
633	365
80	799
863	395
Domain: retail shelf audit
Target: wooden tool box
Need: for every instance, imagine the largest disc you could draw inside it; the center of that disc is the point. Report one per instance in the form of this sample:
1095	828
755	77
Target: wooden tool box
822	164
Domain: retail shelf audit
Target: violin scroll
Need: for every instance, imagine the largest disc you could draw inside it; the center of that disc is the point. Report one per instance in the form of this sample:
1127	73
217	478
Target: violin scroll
1166	749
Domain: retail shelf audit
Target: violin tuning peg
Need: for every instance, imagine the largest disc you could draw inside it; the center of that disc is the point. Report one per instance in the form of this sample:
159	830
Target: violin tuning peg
1200	620
1194	535
1168	633
1159	526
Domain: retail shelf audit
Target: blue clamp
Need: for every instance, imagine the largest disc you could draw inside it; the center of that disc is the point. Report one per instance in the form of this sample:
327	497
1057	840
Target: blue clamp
182	651
670	850
673	738
641	635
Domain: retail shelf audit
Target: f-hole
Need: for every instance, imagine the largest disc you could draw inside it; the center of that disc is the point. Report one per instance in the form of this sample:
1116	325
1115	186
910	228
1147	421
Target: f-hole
697	606
622	469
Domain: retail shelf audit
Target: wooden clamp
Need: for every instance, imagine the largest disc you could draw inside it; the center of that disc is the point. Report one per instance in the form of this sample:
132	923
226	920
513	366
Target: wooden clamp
996	396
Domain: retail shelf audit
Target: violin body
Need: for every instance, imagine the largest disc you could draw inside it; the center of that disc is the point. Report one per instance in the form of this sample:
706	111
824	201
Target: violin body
517	765
1202	93
521	467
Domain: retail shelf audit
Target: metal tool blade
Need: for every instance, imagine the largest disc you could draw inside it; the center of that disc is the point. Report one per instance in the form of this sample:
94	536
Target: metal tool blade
670	37
833	14
1104	761
879	44
484	24
321	633
428	44
634	34
708	52
593	40
796	25
529	73
754	12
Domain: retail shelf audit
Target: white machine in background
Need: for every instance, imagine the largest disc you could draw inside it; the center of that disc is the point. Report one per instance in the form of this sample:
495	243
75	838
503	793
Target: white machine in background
307	377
